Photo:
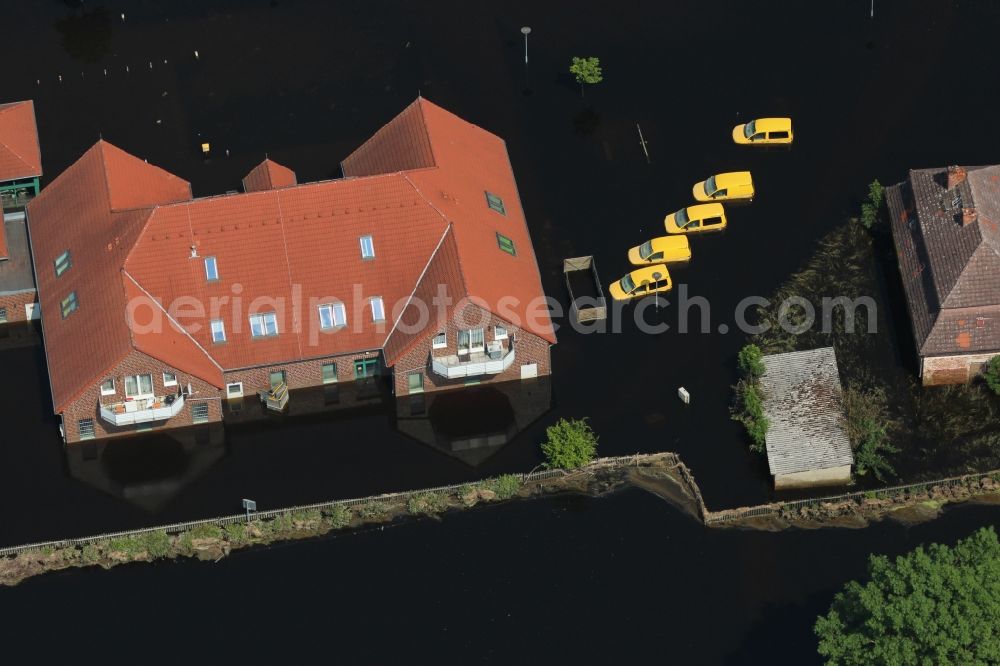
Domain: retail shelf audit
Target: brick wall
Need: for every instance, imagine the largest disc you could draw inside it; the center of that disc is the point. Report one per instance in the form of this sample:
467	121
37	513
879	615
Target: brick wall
14	304
137	363
300	374
958	369
528	349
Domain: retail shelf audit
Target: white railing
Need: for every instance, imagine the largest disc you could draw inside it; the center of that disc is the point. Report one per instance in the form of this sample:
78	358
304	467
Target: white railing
453	367
141	411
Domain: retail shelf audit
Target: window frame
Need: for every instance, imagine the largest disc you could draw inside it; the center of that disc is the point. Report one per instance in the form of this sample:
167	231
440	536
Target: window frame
334	308
470	348
381	306
112	391
496	334
365	256
409	382
196	408
440	345
92	429
230	394
3	315
496	206
222	329
140	394
322	373
501	240
170	382
215	269
265	318
66	258
69	305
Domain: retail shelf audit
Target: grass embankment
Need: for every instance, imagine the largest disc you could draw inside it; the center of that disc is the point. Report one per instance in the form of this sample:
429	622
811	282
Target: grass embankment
213	542
901	431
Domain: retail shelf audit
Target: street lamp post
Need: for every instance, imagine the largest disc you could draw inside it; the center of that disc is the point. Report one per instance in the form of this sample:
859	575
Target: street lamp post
525	31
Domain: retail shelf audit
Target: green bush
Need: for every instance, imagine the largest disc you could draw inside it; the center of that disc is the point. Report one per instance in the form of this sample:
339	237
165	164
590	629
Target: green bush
90	554
307	516
373	511
751	361
339	516
156	544
868	426
205	531
749	411
506	486
872	205
992	374
937	605
427	503
570	444
236	533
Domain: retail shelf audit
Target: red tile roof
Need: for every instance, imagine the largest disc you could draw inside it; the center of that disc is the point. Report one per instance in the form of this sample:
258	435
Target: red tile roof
469	163
285	250
268	175
20	156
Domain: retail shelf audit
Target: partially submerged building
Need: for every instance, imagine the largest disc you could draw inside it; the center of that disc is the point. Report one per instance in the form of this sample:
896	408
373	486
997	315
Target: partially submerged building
945	226
807	441
159	306
20	169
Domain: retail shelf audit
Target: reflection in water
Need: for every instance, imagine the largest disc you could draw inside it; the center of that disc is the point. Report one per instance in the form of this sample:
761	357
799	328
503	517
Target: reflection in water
474	423
150	470
19	335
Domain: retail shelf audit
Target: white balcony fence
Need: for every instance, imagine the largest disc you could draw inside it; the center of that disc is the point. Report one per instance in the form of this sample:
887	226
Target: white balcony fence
471	365
144	410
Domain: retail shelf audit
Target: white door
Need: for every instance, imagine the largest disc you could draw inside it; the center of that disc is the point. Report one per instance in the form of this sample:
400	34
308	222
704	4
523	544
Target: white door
32	311
529	370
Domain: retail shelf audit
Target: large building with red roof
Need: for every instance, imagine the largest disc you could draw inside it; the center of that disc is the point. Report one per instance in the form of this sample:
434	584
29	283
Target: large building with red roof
159	307
20	170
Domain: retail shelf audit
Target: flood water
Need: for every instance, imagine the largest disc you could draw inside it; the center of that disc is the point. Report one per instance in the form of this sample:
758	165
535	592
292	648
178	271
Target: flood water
306	82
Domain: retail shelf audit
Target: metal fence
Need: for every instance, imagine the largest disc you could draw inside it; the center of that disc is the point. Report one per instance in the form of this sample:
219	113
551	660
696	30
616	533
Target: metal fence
386	498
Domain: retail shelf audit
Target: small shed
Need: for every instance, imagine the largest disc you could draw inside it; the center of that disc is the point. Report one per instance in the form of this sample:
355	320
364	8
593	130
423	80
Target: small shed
807	442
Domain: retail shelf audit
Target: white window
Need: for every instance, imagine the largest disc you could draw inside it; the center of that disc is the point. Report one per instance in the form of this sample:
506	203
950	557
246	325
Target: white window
169	379
332	315
440	341
367	248
378	310
264	325
137	386
470	341
63	263
211	269
218	330
234	390
499	332
108	386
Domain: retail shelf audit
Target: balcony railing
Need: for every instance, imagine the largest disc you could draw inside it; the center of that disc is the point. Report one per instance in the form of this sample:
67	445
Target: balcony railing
143	410
492	362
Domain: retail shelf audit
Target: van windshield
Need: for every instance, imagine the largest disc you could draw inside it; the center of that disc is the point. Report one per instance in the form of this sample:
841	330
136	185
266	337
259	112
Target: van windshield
646	249
710	187
750	129
628	286
681	217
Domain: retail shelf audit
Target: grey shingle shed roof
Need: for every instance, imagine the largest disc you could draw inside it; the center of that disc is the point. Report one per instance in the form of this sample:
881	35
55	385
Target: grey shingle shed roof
803	405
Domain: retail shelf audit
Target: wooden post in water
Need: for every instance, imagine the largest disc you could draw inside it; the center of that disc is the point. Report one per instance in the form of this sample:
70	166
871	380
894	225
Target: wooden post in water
642	142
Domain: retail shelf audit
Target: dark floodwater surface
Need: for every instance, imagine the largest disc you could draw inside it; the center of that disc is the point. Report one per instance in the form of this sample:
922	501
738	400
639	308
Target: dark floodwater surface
306	82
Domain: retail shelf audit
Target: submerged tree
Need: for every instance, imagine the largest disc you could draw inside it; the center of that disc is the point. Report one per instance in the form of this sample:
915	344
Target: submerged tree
937	605
570	444
587	71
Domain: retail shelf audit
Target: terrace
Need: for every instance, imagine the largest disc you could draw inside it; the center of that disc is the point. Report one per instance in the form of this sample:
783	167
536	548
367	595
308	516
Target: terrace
492	361
143	410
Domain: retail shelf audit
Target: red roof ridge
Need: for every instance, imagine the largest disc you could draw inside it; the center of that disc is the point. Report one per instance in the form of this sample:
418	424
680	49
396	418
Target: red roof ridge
443	217
176	323
33	169
416	285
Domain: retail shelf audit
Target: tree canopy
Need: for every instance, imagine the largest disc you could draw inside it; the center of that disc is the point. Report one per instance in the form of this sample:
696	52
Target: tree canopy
993	374
586	70
936	605
570	444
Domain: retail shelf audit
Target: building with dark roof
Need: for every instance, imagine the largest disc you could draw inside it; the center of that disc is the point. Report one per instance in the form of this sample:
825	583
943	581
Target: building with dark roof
945	227
159	306
807	442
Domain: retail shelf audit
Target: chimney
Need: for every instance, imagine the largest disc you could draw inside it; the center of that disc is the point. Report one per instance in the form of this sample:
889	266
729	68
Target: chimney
956	176
969	216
